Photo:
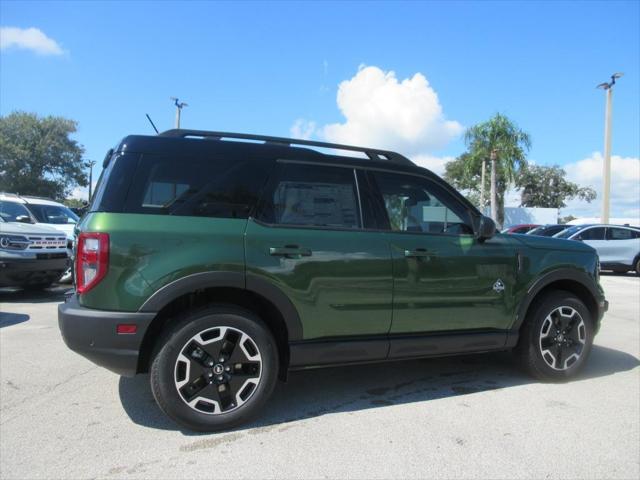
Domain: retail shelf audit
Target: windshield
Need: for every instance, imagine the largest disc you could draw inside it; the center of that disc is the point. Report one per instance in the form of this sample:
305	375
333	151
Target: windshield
10	211
569	231
56	214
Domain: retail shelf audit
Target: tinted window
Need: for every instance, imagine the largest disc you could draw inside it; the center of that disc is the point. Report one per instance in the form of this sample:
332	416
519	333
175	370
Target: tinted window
201	187
113	183
621	234
416	204
9	211
569	232
311	195
592	234
53	214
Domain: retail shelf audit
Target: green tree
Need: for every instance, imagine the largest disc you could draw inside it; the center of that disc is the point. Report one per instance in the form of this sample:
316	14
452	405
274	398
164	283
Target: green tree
465	174
547	187
38	157
75	203
500	141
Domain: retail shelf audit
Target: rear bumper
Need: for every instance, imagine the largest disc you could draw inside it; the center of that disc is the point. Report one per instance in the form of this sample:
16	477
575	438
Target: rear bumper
92	334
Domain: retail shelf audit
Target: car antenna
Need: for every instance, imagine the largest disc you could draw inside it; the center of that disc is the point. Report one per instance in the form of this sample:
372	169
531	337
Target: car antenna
151	122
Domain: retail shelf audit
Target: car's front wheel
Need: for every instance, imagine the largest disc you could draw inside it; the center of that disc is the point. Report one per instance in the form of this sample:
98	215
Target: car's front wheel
215	369
556	338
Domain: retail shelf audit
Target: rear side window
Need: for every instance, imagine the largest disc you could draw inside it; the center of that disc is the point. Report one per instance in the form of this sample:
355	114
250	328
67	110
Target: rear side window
621	234
592	234
200	187
311	195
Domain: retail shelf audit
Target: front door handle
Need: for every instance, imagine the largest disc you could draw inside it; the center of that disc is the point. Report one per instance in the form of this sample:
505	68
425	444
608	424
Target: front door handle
418	253
290	251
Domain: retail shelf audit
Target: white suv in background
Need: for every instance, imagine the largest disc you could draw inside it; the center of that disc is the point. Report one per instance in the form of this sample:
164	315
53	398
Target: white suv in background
31	256
618	246
43	211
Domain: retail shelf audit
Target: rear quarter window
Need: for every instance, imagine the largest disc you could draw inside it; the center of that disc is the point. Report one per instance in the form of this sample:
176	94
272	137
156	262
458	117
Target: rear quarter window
223	187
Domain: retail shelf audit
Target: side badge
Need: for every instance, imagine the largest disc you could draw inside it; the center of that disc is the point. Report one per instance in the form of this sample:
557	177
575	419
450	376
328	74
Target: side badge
498	286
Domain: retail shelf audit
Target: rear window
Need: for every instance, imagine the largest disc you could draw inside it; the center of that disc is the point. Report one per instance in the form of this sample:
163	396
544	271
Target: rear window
201	187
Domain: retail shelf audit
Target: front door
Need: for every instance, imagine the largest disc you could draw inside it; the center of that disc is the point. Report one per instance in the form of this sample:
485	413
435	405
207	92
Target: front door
445	280
308	240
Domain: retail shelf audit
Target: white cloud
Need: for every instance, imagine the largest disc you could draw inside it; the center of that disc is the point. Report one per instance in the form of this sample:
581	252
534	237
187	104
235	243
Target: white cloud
381	111
433	163
625	186
29	39
303	129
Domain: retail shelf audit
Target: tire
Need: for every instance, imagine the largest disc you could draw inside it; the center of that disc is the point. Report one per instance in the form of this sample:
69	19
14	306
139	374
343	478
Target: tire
558	321
215	369
637	265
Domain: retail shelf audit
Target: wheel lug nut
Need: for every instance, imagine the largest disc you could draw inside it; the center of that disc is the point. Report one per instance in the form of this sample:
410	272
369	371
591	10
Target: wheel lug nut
220	378
210	363
221	359
227	369
211	375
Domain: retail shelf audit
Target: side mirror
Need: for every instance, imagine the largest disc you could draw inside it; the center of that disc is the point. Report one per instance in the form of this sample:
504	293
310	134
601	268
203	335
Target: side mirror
486	229
23	219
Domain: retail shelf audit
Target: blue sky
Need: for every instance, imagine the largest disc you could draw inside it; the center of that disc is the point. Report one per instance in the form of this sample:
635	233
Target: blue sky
261	66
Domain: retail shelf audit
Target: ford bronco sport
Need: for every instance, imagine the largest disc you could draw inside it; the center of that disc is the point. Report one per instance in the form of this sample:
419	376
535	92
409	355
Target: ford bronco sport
217	262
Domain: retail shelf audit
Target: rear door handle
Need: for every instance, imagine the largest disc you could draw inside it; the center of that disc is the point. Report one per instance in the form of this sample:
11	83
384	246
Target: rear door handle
418	253
290	251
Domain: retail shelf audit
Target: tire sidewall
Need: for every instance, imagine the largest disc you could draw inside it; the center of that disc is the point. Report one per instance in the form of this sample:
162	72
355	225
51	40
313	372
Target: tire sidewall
538	316
163	367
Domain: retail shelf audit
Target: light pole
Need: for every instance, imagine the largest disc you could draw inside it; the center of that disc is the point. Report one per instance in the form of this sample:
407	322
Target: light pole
606	168
90	164
179	105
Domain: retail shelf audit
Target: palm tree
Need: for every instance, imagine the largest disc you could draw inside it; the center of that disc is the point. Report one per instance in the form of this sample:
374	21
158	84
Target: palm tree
505	145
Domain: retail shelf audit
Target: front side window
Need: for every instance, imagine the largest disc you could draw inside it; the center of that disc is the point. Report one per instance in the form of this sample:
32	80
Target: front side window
10	211
592	234
311	195
415	204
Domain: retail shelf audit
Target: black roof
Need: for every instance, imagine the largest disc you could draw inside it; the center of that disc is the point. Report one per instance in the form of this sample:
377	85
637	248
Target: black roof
202	142
199	142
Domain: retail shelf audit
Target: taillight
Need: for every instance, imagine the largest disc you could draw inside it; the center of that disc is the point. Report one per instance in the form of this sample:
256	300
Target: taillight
92	260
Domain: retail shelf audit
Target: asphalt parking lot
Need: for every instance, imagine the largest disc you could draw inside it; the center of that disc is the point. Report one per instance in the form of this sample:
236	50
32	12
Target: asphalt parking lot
472	417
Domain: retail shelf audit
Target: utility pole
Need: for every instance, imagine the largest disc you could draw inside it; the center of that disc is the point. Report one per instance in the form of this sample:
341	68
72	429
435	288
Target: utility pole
90	164
179	105
606	168
494	200
484	167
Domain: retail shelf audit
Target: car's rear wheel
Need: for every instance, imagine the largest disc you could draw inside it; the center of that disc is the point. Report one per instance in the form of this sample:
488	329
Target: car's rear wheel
556	338
215	369
637	266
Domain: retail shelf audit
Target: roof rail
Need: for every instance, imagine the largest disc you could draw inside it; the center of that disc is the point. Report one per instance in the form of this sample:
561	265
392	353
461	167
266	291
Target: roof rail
371	153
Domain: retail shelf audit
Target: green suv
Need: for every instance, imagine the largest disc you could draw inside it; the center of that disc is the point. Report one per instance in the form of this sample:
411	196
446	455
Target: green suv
217	262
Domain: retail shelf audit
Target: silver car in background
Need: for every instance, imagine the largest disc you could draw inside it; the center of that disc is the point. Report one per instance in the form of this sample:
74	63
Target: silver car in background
618	246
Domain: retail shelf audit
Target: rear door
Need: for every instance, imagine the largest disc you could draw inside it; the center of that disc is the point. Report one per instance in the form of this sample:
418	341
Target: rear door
444	279
308	238
623	245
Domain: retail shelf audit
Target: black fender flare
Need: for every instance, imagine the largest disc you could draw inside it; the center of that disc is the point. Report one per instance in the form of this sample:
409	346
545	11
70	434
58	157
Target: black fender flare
251	283
574	275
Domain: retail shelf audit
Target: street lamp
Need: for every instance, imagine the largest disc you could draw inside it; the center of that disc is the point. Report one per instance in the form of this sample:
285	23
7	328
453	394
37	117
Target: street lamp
606	169
179	105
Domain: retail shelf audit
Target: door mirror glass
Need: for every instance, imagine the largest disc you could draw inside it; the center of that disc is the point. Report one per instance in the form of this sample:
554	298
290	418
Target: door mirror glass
23	219
486	228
